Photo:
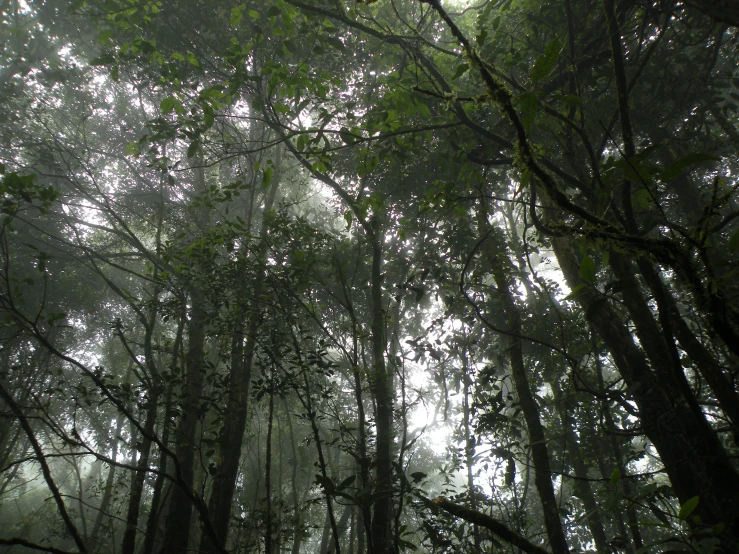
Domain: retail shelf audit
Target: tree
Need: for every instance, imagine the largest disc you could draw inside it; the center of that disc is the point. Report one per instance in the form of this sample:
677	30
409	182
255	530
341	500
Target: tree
519	219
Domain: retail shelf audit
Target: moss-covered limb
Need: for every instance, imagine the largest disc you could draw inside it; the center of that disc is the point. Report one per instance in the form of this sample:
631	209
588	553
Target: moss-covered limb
723	318
525	160
496	527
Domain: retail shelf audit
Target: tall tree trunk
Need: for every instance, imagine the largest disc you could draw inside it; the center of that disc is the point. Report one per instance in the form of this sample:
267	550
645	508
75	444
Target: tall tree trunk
694	461
158	497
624	482
469	445
342	524
177	527
720	383
81	500
137	482
382	535
96	534
494	249
582	482
297	531
242	361
268	531
307	402
361	530
364	517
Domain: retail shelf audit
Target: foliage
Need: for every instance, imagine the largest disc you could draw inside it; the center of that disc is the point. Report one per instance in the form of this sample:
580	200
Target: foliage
275	275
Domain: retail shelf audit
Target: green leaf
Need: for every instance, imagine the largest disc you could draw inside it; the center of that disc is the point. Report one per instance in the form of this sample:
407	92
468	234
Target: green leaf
734	242
254	14
461	70
193	149
347	136
346	482
418	476
688	508
267	177
684	163
587	269
177	56
192	60
335	42
615	476
105	36
326	483
132	149
105	59
641	199
349	217
273	11
405	545
237	13
529	104
167	105
569	99
578	291
423	109
545	63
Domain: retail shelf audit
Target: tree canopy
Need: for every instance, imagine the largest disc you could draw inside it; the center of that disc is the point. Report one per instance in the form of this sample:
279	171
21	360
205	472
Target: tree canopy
370	276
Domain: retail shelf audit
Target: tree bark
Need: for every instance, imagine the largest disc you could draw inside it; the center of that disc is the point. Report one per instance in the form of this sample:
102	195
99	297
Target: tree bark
382	535
95	535
694	462
624	482
177	527
483	520
237	404
137	482
582	484
494	250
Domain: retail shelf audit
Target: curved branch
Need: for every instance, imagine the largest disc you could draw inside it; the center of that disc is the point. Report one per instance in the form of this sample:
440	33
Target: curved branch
483	520
71	527
17	541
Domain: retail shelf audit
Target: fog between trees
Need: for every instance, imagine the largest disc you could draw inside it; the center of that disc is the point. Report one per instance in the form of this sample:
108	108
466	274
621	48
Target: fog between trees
371	277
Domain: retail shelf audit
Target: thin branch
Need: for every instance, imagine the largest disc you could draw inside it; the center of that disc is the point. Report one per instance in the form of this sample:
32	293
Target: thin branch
45	469
483	520
16	541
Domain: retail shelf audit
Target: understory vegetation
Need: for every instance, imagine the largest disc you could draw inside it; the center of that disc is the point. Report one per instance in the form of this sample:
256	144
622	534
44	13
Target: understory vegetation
377	276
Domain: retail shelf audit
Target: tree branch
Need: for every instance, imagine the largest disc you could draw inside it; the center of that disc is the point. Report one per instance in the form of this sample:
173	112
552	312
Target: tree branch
483	520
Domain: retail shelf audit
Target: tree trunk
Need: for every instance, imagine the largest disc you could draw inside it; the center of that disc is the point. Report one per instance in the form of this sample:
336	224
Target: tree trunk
95	535
158	497
242	361
694	462
268	531
342	524
582	484
469	445
177	527
381	534
294	484
625	481
137	482
494	250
